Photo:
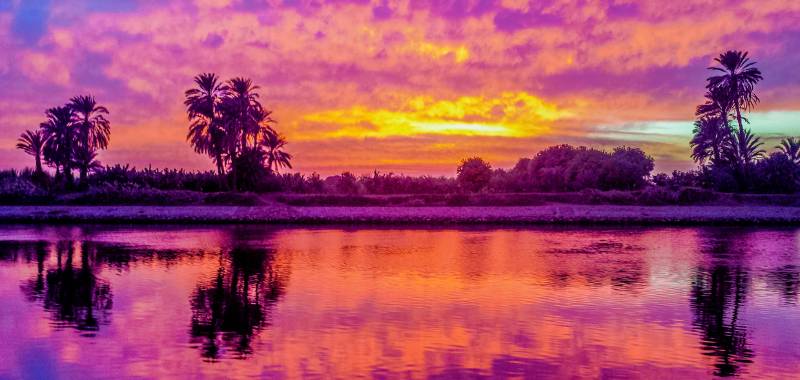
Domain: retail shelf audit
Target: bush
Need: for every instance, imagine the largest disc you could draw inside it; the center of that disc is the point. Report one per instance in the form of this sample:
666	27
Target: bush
566	168
474	174
694	195
776	174
657	196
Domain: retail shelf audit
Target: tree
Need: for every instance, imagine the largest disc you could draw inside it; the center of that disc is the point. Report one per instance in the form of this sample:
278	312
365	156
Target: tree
737	80
711	135
93	130
276	157
474	174
206	131
60	147
745	147
790	147
33	143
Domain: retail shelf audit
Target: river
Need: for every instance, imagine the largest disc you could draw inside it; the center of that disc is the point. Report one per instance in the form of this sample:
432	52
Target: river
252	301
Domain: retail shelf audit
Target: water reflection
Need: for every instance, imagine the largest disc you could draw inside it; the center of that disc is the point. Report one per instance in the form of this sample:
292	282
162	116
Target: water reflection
236	304
553	303
70	291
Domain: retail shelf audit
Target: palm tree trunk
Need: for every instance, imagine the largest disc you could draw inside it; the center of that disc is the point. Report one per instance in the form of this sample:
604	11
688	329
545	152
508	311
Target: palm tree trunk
84	174
38	164
220	168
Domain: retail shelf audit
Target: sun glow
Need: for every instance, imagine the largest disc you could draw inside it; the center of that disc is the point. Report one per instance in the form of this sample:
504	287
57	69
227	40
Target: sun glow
508	115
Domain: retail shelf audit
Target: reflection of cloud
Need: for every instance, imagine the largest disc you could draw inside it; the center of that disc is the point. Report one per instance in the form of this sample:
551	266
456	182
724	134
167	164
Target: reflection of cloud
356	68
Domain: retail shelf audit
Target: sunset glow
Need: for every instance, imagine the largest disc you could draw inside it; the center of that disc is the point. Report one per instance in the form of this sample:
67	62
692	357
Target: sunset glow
405	86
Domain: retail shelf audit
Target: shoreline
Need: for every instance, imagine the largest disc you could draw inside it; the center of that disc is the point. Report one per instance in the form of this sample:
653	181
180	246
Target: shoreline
554	214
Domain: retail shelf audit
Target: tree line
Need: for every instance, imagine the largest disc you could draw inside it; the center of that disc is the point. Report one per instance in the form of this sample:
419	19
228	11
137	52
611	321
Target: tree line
68	140
731	157
232	127
229	124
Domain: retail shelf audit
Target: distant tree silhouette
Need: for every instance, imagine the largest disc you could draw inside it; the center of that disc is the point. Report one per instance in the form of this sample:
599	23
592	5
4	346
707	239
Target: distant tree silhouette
93	131
474	174
790	146
711	135
229	123
60	149
206	131
737	79
744	147
33	143
276	157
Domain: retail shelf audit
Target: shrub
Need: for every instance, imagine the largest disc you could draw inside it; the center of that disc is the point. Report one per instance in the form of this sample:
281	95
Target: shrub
474	174
776	174
693	195
657	196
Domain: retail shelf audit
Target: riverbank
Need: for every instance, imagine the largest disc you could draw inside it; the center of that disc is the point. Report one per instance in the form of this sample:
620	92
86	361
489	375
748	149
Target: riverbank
432	216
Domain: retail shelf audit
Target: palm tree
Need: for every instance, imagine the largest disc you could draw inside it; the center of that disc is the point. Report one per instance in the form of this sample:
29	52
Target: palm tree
744	148
60	147
206	131
711	135
94	130
244	108
33	143
274	143
790	146
738	79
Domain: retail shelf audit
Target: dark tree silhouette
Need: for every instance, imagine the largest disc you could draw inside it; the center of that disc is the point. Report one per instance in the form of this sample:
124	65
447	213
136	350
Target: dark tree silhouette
60	148
236	305
276	156
33	143
737	79
711	135
206	131
718	293
474	174
93	131
790	146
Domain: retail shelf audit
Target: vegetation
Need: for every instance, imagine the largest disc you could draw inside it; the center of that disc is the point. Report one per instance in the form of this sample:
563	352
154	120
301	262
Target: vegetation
229	124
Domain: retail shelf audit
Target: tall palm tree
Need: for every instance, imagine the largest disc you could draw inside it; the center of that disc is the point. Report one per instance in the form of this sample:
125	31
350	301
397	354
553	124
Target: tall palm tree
711	135
206	131
790	146
276	156
738	77
33	143
60	148
94	130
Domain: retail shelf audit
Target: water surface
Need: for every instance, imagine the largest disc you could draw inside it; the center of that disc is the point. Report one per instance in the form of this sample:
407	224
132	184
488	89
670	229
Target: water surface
239	301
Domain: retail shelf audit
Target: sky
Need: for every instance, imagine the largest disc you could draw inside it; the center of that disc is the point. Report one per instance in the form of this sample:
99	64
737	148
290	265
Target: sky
401	86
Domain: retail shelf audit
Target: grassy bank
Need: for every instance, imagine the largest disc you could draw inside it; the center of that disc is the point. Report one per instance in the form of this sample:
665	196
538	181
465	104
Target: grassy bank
424	216
650	196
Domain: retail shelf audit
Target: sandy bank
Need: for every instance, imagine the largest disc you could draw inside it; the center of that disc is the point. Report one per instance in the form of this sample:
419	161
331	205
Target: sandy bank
548	214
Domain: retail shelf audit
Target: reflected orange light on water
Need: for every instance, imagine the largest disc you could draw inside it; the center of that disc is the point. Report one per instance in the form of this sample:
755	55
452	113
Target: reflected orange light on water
253	301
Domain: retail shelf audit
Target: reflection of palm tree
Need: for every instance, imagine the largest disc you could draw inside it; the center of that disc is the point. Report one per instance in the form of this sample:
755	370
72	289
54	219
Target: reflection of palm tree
72	296
786	280
235	306
717	295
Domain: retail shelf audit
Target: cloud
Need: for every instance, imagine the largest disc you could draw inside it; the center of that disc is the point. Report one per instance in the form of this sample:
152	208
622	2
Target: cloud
401	82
